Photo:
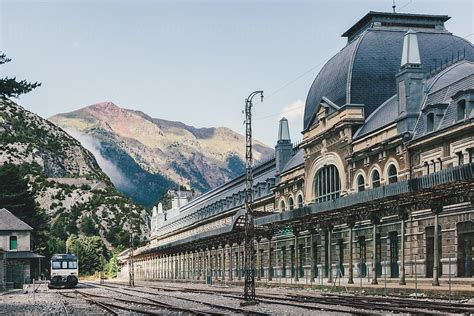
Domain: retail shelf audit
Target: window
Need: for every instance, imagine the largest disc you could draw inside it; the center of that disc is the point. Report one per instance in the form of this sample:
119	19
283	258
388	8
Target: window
430	122
56	264
13	242
327	184
460	158
360	183
375	179
471	155
392	174
282	205
72	264
427	167
461	110
291	203
300	201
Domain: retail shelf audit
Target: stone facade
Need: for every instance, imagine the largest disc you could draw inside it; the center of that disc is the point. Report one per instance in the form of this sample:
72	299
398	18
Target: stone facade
374	189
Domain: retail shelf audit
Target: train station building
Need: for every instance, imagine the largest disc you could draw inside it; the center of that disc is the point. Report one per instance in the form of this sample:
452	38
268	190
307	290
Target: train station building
382	183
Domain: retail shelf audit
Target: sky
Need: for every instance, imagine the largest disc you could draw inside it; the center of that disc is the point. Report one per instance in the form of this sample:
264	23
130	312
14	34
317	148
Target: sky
188	61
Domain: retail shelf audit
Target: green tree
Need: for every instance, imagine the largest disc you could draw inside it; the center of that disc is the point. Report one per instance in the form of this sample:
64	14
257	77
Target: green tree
91	253
112	266
18	199
10	87
87	226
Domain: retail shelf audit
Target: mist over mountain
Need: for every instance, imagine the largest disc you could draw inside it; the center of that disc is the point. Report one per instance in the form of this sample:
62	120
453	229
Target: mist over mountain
66	179
144	156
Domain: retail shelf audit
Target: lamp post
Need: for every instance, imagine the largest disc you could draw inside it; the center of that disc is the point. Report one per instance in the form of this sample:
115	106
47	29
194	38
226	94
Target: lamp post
249	285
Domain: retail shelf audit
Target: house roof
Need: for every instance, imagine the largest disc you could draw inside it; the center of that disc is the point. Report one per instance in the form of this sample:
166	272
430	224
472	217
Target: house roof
22	255
381	117
8	221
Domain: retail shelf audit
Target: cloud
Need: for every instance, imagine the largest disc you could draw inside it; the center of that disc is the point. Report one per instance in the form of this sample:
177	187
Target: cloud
294	111
108	166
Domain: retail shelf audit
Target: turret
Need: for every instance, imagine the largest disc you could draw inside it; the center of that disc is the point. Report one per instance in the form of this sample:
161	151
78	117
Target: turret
284	147
409	84
157	218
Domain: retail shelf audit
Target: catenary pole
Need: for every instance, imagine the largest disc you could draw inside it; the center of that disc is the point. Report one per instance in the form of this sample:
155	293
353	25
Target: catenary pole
249	259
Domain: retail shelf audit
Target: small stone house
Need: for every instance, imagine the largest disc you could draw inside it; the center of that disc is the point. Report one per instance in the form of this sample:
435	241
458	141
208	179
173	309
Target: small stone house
16	257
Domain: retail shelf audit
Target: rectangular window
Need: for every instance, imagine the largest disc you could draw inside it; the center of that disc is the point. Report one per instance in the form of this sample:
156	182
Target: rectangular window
72	265
460	158
13	242
56	264
471	155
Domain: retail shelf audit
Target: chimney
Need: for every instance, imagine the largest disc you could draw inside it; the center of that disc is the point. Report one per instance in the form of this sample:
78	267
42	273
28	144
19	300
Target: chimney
409	84
284	147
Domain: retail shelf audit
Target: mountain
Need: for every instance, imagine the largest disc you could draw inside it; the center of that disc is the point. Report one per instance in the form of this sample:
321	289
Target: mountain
150	155
65	178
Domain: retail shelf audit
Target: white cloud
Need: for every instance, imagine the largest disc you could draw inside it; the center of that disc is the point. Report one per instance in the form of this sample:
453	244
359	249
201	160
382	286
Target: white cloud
294	111
108	166
294	114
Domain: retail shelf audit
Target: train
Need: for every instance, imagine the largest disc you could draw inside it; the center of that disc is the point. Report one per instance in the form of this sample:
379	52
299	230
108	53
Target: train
64	271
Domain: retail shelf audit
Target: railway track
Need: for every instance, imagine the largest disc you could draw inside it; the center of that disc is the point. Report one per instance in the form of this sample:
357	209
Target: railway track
282	302
218	308
367	305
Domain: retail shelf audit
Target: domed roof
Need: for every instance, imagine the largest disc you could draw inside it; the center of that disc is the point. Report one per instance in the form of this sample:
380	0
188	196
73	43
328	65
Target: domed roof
363	72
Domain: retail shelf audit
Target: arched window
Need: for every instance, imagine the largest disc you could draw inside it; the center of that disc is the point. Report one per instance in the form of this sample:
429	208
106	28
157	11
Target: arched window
461	110
300	201
360	183
392	174
430	122
282	205
327	184
375	179
291	203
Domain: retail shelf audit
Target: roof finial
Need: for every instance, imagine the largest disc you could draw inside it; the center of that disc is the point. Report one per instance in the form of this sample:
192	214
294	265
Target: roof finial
394	6
410	50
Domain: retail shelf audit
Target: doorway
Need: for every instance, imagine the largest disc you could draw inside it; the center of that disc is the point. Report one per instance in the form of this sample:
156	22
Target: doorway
429	231
362	257
393	255
465	249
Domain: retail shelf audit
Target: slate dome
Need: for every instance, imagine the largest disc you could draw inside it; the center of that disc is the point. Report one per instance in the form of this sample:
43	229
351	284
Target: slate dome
363	72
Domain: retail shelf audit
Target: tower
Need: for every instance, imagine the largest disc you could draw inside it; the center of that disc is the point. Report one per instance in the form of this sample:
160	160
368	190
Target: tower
284	147
409	84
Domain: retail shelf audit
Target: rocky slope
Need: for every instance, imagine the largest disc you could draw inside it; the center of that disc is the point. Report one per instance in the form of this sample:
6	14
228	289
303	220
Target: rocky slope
152	154
65	178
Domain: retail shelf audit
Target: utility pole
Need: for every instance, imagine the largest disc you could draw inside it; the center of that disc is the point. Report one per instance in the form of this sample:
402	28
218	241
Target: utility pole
249	285
131	274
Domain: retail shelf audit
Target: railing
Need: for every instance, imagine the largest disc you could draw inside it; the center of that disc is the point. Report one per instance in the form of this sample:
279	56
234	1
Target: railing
453	174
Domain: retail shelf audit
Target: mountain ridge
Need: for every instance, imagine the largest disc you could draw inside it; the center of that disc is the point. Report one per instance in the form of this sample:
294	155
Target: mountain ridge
200	158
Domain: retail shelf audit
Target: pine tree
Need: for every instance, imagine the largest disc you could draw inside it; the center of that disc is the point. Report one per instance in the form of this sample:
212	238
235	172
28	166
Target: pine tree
18	199
10	87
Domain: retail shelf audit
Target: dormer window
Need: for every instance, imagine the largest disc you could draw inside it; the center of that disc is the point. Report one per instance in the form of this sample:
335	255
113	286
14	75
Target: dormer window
429	122
461	110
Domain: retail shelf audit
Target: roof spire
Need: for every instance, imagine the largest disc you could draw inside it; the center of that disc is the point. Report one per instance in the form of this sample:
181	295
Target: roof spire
283	130
410	52
394	6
